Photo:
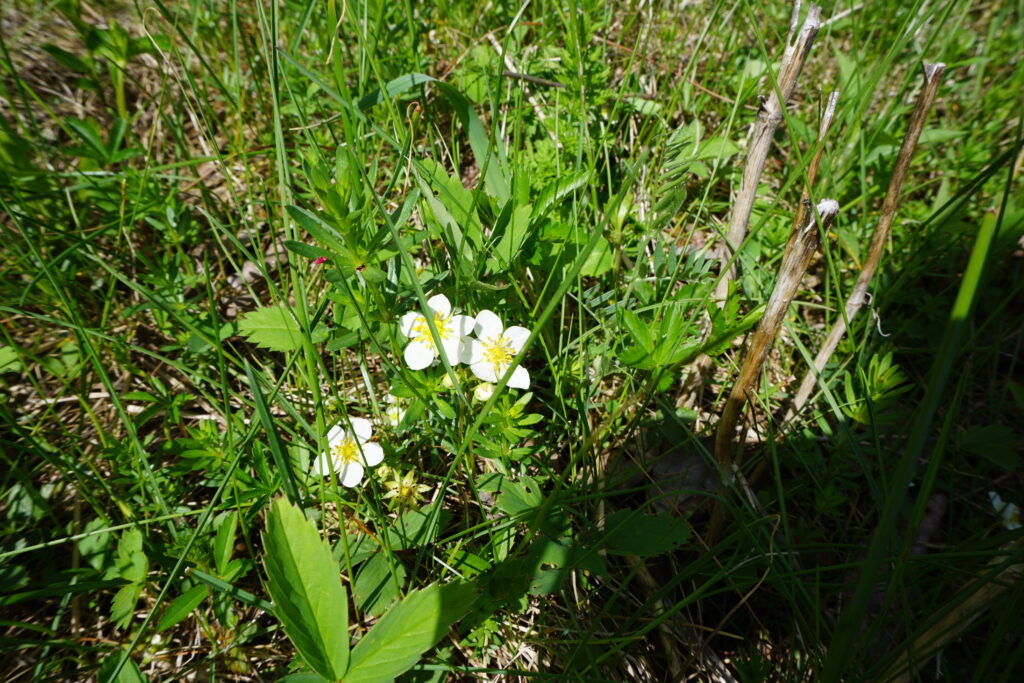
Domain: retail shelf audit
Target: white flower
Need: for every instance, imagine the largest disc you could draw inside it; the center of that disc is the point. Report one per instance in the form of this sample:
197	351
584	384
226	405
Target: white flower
349	452
394	411
483	391
492	351
1009	512
451	331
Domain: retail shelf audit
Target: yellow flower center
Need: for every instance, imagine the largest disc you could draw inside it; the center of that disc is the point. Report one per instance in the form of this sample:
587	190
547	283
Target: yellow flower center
421	330
345	452
498	352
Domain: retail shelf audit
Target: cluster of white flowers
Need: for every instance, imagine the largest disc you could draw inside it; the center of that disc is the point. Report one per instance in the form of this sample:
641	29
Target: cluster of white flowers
489	355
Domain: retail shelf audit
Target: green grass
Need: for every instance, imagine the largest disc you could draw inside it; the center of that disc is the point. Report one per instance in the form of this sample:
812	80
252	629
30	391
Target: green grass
173	357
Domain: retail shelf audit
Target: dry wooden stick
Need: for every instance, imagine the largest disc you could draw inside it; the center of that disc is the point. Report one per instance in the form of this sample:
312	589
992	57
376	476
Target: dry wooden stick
769	116
804	245
932	75
812	170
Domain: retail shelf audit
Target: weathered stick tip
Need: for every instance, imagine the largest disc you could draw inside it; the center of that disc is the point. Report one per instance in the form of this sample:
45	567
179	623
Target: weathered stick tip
828	207
933	70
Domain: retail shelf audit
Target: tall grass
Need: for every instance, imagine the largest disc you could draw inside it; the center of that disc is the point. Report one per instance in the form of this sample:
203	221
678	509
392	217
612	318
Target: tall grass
216	216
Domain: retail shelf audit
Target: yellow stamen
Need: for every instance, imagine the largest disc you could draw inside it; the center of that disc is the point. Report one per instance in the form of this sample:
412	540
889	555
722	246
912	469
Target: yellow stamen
421	331
498	352
345	452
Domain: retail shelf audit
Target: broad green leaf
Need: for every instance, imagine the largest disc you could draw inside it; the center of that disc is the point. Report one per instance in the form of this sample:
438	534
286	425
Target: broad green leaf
631	533
407	631
375	587
519	497
275	328
132	563
182	606
305	584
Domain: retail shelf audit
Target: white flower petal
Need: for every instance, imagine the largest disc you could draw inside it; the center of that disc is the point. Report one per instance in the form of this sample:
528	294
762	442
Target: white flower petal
487	324
516	337
409	320
418	355
335	435
351	474
476	352
452	349
461	325
520	379
373	454
362	428
466	351
322	466
484	371
440	304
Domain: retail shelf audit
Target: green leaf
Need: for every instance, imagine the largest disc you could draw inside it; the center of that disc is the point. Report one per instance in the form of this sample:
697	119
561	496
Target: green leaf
414	529
112	671
630	533
321	231
88	132
556	191
122	606
375	587
517	498
244	597
273	440
132	563
182	606
305	585
407	631
223	543
9	360
996	443
275	328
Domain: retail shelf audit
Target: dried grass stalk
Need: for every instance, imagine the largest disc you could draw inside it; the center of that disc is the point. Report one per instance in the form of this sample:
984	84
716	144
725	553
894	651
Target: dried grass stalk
804	243
768	119
932	75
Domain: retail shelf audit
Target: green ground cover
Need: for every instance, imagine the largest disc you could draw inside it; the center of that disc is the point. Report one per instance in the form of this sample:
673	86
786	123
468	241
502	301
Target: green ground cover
366	340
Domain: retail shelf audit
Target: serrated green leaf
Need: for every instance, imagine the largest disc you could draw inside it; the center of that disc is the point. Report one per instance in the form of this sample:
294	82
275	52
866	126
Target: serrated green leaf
182	606
407	631
122	606
274	328
305	584
556	191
